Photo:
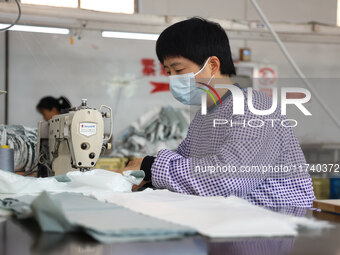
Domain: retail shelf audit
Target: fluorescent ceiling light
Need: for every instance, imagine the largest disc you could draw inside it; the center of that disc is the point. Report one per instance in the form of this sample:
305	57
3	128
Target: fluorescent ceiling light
120	6
58	3
49	30
128	35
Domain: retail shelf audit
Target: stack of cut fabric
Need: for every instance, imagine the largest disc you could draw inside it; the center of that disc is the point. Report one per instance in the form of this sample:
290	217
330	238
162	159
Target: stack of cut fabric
24	142
162	127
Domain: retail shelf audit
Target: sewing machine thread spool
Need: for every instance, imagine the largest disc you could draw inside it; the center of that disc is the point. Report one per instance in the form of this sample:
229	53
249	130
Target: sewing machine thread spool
6	158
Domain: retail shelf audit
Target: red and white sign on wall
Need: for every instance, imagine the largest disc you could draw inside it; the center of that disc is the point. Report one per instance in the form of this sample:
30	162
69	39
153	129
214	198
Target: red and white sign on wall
265	78
153	68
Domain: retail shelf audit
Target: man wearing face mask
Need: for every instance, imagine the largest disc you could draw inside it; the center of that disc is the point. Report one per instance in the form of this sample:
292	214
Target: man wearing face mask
196	55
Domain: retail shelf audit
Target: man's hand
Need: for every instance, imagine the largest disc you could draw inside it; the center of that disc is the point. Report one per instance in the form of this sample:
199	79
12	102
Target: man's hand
135	164
132	165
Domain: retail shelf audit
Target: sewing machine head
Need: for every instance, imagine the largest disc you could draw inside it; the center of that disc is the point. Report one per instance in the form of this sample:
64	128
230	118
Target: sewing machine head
73	140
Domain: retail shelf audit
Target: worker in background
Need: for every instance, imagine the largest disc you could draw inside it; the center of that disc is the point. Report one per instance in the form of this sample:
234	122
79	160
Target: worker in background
50	106
197	51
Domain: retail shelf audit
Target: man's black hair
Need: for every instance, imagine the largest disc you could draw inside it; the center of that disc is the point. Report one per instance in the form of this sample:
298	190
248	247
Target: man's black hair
196	39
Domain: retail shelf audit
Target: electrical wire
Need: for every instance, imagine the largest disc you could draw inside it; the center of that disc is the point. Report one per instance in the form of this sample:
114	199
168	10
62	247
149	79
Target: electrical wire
293	63
16	20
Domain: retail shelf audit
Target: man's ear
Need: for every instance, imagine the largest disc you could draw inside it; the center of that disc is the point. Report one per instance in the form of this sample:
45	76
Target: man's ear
214	64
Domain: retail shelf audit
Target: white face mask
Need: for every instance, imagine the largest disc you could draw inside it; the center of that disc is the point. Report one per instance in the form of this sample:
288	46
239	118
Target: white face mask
183	87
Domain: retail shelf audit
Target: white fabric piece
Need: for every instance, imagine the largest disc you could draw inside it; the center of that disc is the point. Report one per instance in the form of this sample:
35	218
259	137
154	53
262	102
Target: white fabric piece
96	183
215	217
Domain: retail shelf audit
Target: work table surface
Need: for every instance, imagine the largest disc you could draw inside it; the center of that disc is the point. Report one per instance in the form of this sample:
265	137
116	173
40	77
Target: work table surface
24	237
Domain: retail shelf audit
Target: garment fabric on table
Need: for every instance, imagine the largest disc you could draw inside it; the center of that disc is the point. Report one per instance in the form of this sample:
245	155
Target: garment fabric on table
218	217
97	183
105	222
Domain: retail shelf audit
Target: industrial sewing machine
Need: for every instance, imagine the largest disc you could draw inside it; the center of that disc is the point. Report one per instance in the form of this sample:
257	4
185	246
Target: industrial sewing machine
73	140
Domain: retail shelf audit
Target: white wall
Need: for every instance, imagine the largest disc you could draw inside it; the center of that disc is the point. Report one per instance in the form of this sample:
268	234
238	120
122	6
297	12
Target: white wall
320	63
42	64
323	11
223	9
315	60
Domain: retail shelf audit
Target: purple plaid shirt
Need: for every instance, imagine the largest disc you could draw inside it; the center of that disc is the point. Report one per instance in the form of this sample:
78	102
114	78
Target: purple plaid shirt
241	146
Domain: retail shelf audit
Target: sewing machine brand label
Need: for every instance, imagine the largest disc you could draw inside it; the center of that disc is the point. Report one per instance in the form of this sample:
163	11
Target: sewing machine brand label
87	129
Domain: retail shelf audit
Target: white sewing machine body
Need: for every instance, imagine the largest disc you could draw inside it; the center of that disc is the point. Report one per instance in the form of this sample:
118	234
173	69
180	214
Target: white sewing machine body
75	139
